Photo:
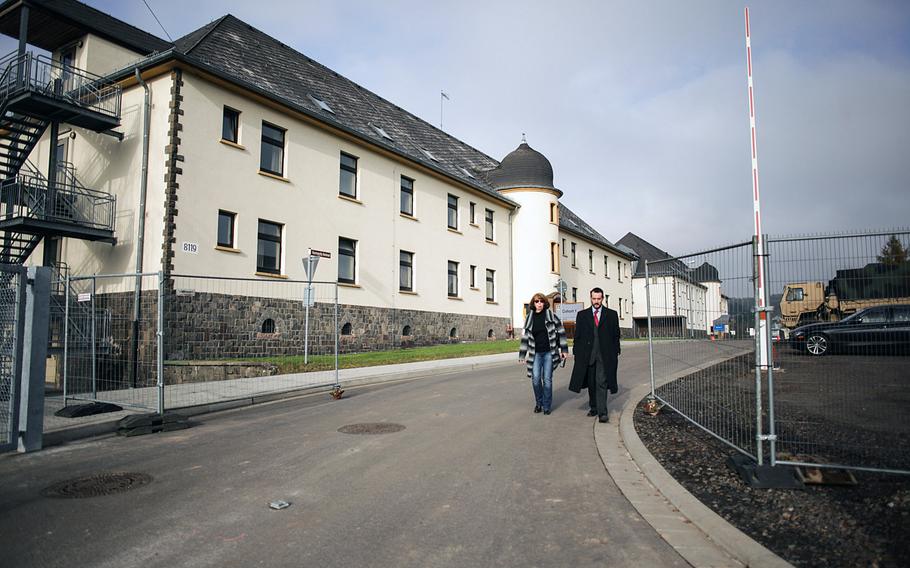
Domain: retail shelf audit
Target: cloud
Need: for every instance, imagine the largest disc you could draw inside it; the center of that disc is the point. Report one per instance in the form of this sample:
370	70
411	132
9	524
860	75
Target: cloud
640	106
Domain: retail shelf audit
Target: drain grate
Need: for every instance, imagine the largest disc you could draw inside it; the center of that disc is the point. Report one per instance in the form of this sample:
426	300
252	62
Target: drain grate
96	485
372	428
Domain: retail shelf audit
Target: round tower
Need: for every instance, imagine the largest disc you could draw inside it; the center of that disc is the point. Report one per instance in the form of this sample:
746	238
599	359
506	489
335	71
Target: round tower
526	177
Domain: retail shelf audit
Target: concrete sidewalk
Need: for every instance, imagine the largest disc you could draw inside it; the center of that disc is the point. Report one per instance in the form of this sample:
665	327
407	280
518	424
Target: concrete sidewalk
700	536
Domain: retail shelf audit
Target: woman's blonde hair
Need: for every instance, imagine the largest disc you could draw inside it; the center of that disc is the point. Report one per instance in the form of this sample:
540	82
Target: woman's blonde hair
535	297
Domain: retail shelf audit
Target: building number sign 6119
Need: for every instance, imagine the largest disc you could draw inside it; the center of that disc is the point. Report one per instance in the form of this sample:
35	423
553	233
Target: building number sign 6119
191	248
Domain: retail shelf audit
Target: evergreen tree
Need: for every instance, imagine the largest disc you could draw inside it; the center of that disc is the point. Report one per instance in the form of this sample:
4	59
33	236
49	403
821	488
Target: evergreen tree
893	253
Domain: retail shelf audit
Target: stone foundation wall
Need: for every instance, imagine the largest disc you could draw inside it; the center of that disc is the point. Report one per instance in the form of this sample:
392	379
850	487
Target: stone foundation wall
204	326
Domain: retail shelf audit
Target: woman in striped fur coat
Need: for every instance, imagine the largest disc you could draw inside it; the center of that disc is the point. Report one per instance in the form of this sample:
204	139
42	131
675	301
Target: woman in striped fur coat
543	347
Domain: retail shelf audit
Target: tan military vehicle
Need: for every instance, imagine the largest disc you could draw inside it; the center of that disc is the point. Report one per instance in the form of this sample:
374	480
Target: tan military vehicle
852	289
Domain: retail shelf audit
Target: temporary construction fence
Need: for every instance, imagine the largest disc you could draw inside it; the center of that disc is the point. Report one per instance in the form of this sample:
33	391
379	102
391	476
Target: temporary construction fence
827	387
842	391
12	291
147	342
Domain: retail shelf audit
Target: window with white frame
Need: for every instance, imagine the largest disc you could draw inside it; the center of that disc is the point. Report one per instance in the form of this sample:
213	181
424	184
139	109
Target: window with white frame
272	157
348	176
453	212
347	260
268	249
453	279
406	271
491	285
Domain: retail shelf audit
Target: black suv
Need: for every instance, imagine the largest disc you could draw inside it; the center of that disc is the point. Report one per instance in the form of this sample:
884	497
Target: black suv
881	329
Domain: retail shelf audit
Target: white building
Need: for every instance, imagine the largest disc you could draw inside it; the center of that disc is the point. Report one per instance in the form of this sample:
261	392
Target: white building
228	153
684	302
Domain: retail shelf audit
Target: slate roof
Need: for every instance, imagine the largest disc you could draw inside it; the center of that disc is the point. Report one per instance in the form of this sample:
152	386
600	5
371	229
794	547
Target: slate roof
59	18
523	167
648	252
250	57
572	223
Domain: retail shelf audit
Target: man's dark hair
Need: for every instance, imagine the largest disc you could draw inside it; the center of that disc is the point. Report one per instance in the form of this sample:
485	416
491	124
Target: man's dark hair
597	290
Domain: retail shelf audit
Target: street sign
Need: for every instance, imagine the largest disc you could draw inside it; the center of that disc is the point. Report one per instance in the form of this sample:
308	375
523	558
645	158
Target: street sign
309	298
320	253
309	266
718	327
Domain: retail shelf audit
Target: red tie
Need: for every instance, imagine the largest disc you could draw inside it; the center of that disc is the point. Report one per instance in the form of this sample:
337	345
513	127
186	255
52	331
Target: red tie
597	318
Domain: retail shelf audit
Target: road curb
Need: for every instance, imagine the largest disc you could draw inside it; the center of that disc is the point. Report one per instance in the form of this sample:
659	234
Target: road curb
733	541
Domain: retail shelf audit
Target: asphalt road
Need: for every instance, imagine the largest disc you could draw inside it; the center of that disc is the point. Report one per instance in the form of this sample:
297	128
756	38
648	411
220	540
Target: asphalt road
474	479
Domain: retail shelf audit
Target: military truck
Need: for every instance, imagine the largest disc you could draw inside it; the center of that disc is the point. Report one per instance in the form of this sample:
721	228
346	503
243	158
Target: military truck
851	289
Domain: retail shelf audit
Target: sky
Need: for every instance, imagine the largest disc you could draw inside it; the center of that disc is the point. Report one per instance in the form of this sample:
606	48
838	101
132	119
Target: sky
640	106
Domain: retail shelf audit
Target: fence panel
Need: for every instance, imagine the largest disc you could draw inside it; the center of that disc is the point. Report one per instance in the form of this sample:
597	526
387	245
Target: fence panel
232	338
12	298
702	346
842	327
111	339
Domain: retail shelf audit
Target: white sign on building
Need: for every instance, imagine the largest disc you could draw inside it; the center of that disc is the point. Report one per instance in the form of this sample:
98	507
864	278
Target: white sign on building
566	311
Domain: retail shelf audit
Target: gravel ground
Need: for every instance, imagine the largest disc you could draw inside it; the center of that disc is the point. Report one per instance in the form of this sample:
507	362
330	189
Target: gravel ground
867	524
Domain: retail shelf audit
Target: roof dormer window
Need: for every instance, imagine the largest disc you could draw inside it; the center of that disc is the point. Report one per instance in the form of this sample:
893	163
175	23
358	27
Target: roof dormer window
321	104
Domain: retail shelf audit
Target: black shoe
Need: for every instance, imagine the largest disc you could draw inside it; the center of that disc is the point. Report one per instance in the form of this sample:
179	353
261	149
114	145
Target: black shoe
537	409
604	418
546	412
592	412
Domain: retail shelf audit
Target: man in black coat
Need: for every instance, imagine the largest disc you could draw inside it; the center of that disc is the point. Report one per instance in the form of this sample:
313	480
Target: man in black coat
596	353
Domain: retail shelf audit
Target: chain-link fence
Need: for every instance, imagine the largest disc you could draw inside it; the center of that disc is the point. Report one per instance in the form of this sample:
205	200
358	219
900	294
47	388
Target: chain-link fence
701	326
843	336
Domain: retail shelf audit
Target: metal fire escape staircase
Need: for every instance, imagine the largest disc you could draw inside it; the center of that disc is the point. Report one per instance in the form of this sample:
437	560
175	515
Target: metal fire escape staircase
37	92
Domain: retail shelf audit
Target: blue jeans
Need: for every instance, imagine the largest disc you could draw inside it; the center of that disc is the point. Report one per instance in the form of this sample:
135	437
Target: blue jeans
543	369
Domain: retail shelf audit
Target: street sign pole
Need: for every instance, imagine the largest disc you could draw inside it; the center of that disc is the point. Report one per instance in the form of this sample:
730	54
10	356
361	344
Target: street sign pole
309	265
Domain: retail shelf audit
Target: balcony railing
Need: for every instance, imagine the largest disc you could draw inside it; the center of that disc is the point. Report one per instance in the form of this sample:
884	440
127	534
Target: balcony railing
31	196
41	74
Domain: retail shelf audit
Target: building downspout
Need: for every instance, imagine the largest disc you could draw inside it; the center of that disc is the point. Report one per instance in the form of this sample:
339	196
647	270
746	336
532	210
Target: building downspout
511	273
140	232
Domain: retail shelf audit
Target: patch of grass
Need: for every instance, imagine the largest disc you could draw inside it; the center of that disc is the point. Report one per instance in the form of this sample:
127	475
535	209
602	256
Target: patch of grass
294	363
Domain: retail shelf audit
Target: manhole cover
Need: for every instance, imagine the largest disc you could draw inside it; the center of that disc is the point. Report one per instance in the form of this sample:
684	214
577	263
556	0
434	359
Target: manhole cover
96	485
372	428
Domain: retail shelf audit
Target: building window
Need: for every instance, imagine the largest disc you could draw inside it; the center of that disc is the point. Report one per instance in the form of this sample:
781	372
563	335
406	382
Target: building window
226	229
488	223
272	158
268	326
491	285
573	255
472	276
453	212
407	196
607	300
565	251
554	257
347	260
230	125
348	183
472	208
606	266
619	270
406	331
619	307
268	250
574	294
406	271
554	213
591	261
347	329
453	279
